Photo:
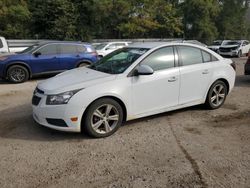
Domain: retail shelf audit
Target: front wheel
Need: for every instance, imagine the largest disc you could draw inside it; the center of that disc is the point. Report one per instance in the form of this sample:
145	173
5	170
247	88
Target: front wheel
217	95
17	74
103	118
239	54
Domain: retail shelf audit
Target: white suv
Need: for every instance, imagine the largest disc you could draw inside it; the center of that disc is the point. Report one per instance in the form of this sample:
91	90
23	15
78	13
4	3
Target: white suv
235	48
104	49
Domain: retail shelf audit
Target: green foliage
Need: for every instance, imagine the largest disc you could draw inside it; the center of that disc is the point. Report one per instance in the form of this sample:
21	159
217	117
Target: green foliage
199	19
14	17
204	20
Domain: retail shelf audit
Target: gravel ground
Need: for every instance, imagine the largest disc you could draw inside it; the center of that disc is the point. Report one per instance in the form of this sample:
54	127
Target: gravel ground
191	147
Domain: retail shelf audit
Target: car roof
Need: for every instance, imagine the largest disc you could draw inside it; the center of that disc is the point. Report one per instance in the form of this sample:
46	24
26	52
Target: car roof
150	45
62	42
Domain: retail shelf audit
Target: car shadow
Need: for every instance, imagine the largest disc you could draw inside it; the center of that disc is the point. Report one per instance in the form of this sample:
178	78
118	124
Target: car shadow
17	123
242	81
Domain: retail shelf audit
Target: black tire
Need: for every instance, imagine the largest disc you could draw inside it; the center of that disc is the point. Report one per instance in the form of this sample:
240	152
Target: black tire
17	74
91	119
239	54
83	64
210	104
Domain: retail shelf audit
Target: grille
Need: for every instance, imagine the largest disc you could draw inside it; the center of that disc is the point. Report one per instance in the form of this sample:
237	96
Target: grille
36	100
225	49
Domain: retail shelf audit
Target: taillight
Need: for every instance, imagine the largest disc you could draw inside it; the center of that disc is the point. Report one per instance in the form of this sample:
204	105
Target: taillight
233	64
94	53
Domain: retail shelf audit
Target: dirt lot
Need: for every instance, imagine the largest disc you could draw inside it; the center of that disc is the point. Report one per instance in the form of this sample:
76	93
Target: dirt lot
192	147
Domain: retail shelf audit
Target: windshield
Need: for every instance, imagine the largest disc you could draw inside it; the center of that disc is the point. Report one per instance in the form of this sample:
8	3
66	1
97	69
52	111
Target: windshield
217	43
101	46
29	49
118	61
232	43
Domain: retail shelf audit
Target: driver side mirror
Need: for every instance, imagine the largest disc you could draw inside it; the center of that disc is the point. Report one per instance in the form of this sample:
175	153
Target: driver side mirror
36	54
143	70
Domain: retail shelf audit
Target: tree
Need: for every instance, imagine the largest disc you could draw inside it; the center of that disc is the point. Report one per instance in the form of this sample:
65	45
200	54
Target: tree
14	18
53	19
151	19
232	21
199	19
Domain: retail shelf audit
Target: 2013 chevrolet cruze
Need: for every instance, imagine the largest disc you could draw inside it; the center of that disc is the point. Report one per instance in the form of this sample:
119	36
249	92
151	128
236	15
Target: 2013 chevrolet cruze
136	81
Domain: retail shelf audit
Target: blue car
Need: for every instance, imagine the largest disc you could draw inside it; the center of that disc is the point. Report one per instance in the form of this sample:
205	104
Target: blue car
46	58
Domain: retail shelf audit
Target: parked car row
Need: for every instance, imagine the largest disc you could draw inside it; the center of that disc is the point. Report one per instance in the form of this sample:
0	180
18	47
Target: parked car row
46	58
230	47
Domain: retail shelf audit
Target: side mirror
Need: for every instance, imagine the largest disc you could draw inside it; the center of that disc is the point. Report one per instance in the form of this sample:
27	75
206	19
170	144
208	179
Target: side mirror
143	70
36	54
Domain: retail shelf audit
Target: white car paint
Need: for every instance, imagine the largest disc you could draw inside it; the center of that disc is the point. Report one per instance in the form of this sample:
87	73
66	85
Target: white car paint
4	48
3	45
107	48
216	47
162	91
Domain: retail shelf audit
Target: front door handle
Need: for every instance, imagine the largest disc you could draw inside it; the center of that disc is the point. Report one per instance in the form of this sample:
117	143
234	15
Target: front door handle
205	72
172	79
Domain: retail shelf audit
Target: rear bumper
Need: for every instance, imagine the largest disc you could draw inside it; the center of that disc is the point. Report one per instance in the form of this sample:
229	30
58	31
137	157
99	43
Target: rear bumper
247	68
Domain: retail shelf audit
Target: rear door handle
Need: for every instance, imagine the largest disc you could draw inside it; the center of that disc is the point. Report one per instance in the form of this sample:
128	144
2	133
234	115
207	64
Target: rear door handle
172	79
205	72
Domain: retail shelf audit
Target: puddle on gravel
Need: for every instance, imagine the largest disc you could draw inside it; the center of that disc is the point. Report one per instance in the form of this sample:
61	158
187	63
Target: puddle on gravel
234	119
193	130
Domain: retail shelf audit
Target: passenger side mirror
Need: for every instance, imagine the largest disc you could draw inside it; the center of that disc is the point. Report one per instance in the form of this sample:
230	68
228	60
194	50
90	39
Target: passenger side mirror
36	54
143	70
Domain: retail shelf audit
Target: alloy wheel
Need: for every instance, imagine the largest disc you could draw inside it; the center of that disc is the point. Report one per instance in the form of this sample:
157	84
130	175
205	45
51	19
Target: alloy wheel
105	118
17	74
218	95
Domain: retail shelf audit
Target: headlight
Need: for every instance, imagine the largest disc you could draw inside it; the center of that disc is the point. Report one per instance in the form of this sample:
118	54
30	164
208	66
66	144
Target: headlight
62	98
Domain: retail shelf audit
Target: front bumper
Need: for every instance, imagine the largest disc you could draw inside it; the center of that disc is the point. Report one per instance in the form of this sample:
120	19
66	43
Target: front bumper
43	112
231	53
247	68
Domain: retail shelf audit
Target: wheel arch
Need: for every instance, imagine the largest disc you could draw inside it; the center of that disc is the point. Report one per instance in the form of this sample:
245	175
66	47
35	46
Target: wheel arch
18	63
124	109
219	79
83	61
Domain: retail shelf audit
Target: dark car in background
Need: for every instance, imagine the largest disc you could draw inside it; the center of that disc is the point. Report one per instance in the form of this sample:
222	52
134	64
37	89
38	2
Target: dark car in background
46	58
247	65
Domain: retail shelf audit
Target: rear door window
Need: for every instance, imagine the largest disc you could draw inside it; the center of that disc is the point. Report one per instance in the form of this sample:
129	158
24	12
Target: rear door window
81	49
190	55
68	49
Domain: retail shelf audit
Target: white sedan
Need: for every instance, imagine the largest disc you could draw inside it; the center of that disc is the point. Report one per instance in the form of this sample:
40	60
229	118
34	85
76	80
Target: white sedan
133	82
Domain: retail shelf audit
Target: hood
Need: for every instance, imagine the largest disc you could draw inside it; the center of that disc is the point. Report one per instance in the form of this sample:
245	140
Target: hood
74	79
230	46
214	46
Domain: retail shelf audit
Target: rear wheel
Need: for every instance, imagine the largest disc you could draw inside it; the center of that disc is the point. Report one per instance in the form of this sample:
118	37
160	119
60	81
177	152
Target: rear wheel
103	118
216	95
84	64
17	74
